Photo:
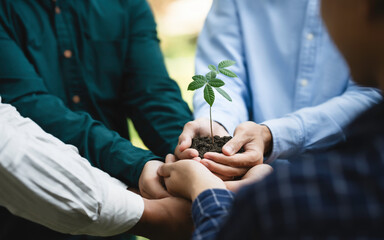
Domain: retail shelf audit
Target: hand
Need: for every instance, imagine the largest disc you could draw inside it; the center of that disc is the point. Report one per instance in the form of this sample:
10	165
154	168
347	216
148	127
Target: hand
166	218
197	128
188	178
254	138
255	174
150	183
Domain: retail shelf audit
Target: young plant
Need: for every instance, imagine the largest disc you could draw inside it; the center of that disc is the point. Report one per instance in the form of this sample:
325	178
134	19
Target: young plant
210	82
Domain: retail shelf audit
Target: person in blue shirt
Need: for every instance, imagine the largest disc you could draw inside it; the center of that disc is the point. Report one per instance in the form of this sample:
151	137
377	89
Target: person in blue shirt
293	84
336	194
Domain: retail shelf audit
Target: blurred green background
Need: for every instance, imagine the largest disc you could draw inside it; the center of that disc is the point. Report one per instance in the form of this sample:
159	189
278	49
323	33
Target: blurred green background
179	23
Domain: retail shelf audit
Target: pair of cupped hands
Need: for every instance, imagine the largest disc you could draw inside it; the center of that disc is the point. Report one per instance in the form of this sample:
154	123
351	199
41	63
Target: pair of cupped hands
186	175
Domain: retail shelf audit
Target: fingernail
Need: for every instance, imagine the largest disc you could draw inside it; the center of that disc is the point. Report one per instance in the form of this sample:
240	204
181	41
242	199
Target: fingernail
228	149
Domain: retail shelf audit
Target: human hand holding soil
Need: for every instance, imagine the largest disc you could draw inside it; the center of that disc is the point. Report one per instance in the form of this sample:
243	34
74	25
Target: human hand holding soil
255	139
192	130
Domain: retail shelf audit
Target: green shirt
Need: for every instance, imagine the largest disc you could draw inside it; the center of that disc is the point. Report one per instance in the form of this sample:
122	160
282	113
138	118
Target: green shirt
80	68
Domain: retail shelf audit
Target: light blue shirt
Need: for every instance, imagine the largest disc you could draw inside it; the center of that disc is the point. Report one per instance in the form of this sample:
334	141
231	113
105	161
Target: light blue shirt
291	76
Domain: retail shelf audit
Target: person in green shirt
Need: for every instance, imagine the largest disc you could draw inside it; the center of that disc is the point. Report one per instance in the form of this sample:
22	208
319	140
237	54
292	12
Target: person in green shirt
79	69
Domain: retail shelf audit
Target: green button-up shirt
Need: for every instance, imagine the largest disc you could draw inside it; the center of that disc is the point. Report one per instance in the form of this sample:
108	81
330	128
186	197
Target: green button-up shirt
80	68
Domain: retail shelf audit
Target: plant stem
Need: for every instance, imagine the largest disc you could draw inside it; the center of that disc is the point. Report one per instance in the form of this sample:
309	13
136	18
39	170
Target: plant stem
210	118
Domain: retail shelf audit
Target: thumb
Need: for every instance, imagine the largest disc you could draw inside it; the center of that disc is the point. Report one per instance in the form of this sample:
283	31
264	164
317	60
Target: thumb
190	131
170	158
165	170
234	145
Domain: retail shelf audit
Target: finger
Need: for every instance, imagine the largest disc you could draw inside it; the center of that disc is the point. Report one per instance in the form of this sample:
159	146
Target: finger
165	170
255	174
156	191
224	170
246	159
170	158
190	131
222	177
258	172
234	186
234	144
186	154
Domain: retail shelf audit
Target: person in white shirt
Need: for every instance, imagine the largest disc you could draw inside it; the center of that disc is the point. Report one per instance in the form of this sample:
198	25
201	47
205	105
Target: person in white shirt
48	182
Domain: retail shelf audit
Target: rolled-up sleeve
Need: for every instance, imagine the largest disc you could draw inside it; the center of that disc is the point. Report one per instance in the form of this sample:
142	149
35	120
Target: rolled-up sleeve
48	182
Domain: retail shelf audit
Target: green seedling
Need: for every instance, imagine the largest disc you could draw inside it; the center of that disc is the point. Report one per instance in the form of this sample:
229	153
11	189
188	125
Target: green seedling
210	82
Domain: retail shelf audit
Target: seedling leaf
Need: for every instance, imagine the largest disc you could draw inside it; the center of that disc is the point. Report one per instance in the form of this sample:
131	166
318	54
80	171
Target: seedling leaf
196	84
209	95
227	72
224	94
216	82
226	63
199	77
212	67
211	75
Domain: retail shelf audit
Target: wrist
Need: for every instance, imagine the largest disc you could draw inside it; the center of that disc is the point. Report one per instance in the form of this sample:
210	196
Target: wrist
267	139
197	190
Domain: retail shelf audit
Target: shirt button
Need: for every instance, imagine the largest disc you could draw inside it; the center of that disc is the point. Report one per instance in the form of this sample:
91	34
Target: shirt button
310	36
304	82
76	99
67	53
57	10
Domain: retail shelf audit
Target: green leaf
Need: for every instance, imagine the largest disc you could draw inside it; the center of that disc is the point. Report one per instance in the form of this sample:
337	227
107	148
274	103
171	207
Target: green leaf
212	67
199	77
216	82
224	94
227	72
196	84
209	95
226	63
211	75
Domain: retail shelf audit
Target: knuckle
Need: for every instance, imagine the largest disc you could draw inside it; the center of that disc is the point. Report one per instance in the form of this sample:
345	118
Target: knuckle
190	124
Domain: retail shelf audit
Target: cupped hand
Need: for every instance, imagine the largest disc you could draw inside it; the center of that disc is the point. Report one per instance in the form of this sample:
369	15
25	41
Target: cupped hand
254	138
150	183
188	178
197	128
255	174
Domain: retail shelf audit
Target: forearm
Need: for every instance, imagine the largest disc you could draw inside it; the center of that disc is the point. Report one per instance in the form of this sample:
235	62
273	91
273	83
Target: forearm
321	126
104	148
48	182
167	218
153	100
209	211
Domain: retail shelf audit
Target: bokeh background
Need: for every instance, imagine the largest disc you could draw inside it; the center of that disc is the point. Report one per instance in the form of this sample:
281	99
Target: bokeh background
179	23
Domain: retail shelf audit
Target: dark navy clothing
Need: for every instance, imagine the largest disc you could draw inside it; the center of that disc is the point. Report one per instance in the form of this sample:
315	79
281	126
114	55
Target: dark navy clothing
338	194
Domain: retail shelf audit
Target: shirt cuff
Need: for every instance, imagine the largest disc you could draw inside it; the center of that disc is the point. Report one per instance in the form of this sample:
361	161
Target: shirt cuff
287	136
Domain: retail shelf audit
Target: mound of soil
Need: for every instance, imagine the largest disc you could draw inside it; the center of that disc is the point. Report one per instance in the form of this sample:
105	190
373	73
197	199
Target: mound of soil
204	144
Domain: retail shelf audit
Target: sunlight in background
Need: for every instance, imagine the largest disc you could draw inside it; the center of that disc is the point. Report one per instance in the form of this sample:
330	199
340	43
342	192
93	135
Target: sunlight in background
179	23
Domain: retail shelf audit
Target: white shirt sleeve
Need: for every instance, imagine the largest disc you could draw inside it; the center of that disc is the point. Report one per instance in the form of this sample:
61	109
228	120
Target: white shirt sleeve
48	182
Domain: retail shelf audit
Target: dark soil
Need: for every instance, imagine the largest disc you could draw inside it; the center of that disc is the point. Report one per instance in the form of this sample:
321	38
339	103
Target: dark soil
204	144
